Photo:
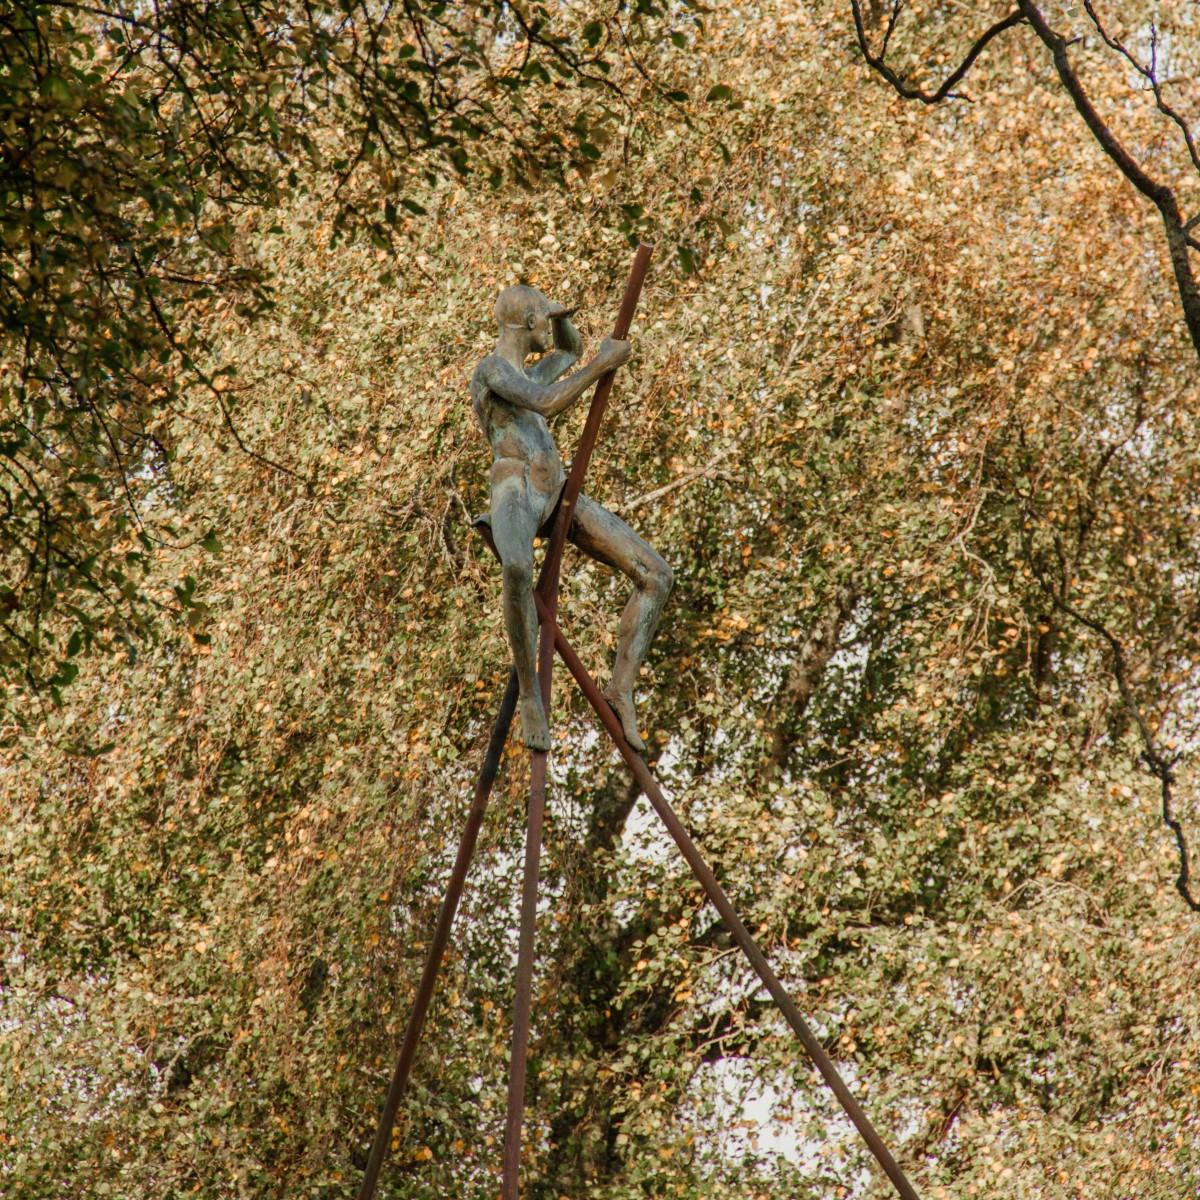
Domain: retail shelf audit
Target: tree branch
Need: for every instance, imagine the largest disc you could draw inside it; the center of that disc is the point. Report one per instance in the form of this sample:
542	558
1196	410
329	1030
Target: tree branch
877	61
1180	243
1159	765
808	667
1158	193
1150	75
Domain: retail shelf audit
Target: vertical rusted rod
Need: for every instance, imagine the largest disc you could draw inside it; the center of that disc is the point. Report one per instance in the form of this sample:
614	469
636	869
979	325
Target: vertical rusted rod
547	600
523	1000
733	922
441	936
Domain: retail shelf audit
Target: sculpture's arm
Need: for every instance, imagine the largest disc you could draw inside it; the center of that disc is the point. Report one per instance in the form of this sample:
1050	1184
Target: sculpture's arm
568	346
515	386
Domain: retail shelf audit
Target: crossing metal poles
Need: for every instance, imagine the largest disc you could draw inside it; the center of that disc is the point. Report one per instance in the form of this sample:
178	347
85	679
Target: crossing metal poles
551	639
547	599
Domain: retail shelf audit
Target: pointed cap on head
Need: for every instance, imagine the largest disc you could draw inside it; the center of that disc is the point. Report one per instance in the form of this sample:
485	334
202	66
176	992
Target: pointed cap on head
516	301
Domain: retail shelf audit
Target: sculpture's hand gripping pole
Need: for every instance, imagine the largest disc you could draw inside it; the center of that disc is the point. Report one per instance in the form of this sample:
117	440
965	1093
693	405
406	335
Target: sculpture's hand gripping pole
591	430
491	765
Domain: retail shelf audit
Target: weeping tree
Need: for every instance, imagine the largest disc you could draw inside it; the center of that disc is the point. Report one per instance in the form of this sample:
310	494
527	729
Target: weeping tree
136	140
925	468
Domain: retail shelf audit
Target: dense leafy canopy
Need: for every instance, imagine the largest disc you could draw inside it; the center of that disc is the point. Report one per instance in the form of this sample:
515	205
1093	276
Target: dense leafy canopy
926	466
1146	131
135	138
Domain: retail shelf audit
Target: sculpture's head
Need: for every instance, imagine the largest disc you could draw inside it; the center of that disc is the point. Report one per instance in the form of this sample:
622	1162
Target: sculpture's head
524	307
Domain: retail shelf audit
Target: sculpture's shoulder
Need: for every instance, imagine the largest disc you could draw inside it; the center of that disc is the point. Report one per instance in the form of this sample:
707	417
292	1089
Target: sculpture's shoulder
497	379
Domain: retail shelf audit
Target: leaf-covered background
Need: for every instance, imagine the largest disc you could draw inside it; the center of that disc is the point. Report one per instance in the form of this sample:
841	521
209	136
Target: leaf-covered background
912	413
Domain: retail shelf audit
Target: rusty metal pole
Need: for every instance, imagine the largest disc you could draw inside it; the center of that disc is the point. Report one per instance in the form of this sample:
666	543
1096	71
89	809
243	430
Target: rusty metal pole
546	596
487	774
646	781
441	936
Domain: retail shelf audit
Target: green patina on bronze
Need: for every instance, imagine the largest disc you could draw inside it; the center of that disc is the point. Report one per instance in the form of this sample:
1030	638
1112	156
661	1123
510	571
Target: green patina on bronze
513	404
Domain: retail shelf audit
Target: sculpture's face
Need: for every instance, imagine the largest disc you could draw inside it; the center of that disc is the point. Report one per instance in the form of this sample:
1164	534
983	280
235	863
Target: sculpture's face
541	332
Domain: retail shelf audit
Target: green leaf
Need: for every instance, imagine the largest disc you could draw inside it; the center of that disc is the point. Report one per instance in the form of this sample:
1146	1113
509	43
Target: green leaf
67	673
534	70
56	88
90	751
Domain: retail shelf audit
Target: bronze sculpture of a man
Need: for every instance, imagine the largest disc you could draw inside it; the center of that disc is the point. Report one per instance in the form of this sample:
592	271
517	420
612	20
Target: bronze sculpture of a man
512	405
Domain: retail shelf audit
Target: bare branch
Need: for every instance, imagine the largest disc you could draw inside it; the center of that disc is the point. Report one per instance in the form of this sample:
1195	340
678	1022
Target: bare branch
876	61
1160	765
1180	242
1150	74
806	670
1163	198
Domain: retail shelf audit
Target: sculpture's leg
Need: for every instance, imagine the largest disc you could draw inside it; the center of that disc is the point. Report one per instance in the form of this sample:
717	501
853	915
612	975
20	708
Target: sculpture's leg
604	536
546	600
516	512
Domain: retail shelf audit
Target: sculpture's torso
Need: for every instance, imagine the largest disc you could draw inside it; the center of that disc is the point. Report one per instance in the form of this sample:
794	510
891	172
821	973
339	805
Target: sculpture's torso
521	441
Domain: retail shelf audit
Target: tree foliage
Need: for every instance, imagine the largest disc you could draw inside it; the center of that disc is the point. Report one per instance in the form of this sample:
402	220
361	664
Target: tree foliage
925	466
1147	130
136	137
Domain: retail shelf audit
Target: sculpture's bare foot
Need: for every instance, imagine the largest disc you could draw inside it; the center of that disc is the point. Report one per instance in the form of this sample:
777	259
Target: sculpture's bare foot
622	705
534	726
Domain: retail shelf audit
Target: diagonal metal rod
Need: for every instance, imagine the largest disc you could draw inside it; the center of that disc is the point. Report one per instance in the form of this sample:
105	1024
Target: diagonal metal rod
646	781
441	936
716	894
523	998
547	600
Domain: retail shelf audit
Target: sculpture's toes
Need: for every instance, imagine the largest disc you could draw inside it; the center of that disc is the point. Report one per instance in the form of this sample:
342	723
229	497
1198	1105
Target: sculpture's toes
622	705
534	726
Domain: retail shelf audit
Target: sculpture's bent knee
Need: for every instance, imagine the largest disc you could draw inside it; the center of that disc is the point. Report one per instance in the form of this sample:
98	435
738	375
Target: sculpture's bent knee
660	577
